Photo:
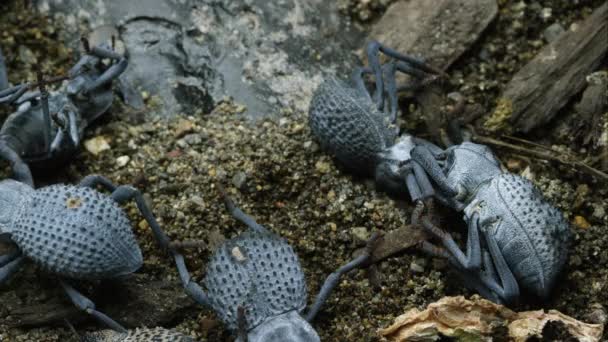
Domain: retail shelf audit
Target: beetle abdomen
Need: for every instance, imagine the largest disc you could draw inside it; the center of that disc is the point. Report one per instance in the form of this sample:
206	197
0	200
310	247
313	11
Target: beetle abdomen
259	272
534	236
348	125
137	335
77	232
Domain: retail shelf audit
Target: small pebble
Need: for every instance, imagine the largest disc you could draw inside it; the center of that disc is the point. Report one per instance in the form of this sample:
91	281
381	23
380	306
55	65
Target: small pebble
183	127
552	32
122	161
239	180
96	145
581	222
360	234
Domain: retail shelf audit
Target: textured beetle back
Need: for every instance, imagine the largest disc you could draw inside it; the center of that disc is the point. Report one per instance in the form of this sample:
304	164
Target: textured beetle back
544	225
137	335
258	271
14	196
348	125
77	232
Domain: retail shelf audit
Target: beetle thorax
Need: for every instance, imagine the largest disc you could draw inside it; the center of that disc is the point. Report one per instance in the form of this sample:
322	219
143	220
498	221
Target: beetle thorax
13	196
471	166
289	326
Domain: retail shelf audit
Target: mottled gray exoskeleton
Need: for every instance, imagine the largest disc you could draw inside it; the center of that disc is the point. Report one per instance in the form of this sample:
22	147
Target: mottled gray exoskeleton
360	131
255	284
74	232
137	335
46	131
524	240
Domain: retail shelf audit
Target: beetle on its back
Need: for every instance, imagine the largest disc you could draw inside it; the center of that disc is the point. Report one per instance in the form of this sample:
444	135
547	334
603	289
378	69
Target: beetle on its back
526	238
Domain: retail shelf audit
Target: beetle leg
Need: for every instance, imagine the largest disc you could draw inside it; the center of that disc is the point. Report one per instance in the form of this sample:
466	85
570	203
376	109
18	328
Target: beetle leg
472	260
6	258
85	304
10	268
21	171
508	289
357	77
12	94
237	213
425	157
332	280
372	50
192	288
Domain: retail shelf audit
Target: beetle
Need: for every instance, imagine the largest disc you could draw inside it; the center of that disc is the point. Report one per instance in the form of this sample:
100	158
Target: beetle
255	284
74	232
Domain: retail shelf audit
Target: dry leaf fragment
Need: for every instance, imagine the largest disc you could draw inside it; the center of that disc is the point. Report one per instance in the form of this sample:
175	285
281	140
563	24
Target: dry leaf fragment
478	319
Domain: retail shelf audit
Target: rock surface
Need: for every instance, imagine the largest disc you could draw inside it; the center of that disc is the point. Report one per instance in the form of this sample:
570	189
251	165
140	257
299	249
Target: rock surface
188	55
439	31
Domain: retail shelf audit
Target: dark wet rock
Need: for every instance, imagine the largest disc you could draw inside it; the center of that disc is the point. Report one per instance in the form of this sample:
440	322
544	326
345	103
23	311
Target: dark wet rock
188	55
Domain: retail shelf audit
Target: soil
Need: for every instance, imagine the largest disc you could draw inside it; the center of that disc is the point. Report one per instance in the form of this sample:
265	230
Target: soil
277	173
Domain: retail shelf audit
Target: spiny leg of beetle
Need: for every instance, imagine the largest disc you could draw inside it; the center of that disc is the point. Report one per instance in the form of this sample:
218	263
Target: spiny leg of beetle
388	71
470	278
237	213
427	160
190	286
117	67
124	193
357	78
504	284
372	50
6	258
21	171
66	122
472	281
46	115
422	179
12	94
85	304
471	261
413	187
10	267
110	74
332	280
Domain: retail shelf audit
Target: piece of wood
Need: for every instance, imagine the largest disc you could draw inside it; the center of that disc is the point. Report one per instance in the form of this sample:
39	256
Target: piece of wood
586	125
395	242
546	84
138	301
